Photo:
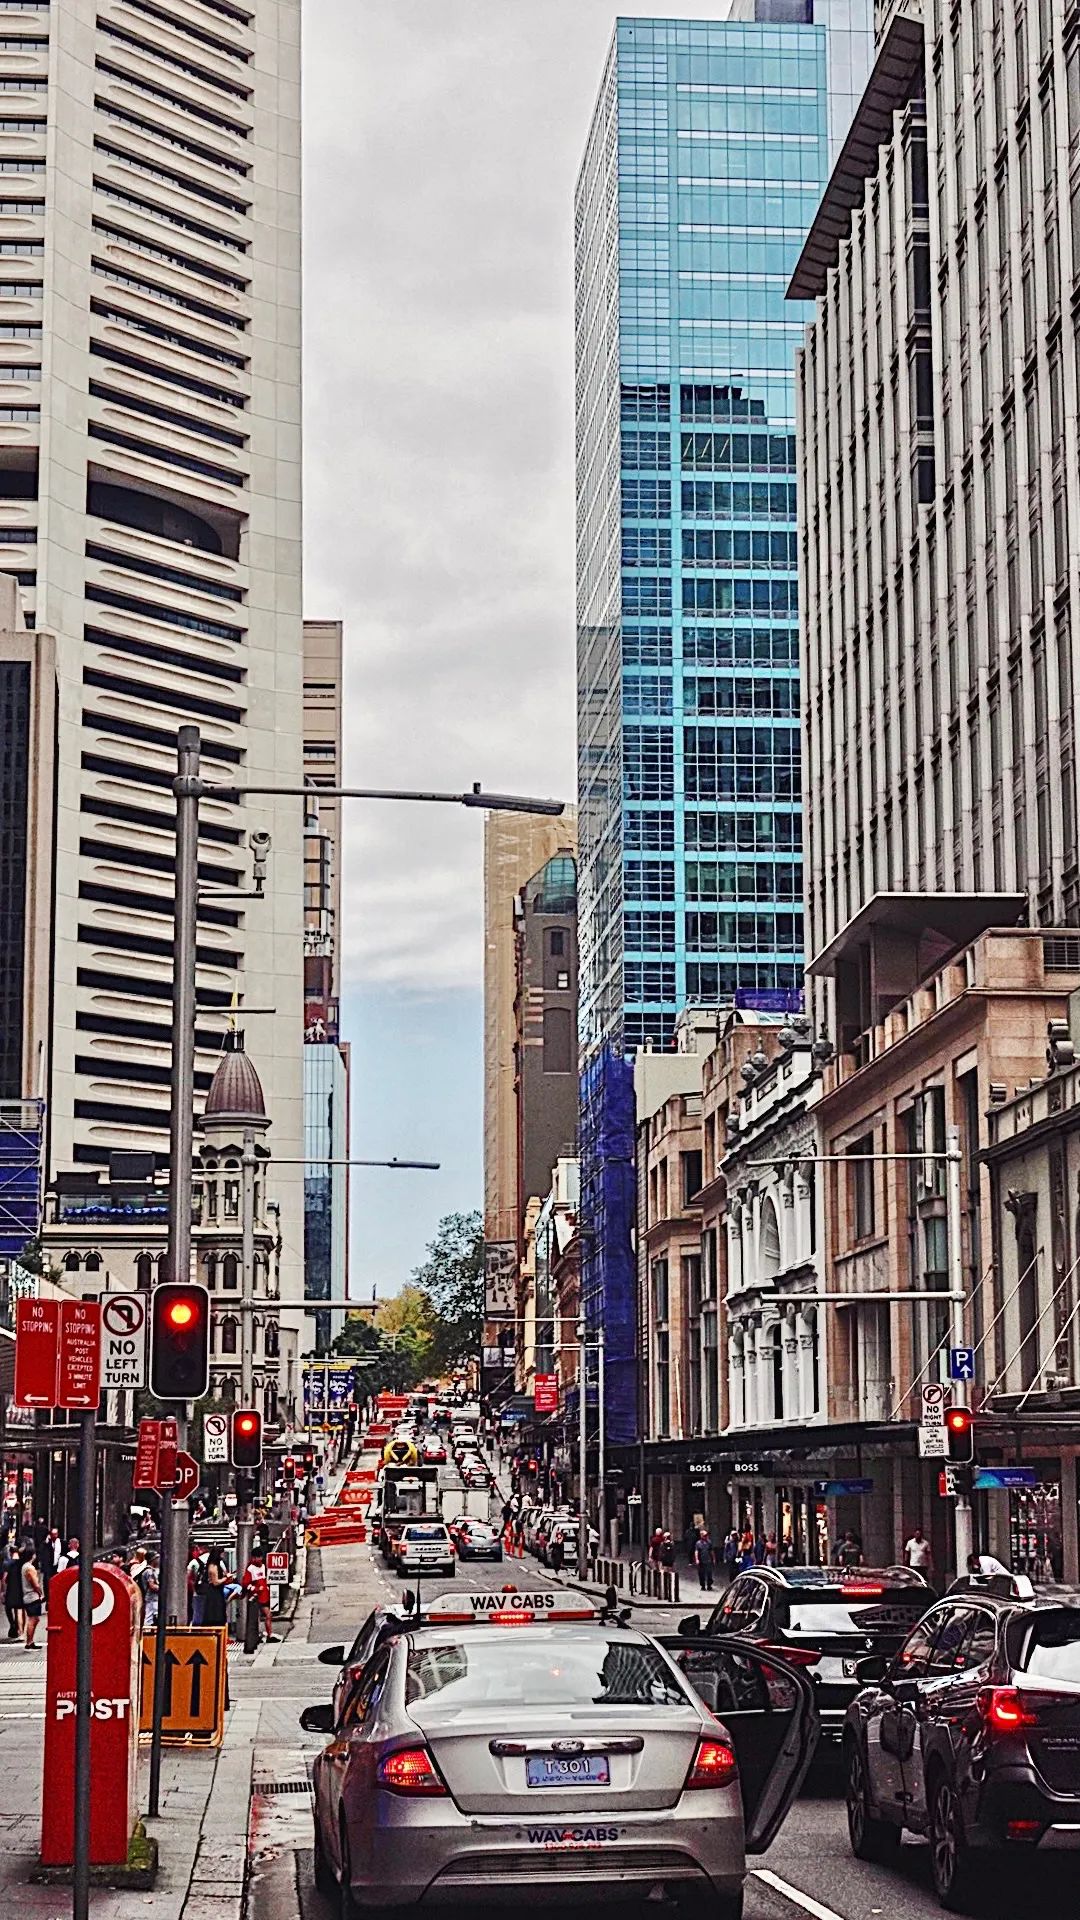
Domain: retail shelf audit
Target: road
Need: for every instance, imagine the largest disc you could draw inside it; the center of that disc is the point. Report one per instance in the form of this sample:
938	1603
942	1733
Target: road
809	1870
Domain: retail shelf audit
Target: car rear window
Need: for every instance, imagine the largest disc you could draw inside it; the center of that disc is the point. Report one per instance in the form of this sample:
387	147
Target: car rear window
837	1612
424	1533
1050	1649
563	1670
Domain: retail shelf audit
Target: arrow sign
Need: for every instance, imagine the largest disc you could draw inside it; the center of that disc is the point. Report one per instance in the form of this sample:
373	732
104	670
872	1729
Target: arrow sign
187	1476
961	1363
196	1664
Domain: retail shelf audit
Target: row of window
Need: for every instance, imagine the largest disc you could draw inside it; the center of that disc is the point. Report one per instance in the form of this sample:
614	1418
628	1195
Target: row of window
714	880
738	546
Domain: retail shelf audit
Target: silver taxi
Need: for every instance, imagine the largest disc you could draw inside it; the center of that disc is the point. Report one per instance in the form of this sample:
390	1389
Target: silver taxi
510	1735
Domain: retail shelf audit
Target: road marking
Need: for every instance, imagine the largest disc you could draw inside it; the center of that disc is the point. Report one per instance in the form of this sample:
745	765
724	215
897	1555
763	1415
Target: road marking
803	1900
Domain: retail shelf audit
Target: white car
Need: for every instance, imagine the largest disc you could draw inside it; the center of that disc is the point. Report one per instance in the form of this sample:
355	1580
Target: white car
424	1546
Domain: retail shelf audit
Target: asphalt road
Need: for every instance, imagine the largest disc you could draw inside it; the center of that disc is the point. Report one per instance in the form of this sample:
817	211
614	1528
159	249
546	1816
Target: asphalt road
809	1870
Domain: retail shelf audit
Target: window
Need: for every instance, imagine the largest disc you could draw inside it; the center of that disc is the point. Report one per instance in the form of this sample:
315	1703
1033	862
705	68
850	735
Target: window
230	1270
691	1175
862	1188
556	941
558	1040
228	1336
913	1659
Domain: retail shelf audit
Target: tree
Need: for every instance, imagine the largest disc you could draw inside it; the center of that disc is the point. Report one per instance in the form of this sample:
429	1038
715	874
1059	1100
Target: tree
452	1278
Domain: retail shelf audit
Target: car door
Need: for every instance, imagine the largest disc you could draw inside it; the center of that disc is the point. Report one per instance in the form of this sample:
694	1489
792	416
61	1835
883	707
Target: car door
944	1699
769	1712
339	1758
891	1721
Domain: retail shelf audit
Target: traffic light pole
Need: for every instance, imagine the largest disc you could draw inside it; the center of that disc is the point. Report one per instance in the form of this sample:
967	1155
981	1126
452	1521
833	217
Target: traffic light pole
186	788
245	1517
964	1533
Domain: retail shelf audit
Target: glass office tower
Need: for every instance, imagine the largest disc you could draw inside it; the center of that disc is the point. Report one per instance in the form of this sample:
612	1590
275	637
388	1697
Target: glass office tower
708	150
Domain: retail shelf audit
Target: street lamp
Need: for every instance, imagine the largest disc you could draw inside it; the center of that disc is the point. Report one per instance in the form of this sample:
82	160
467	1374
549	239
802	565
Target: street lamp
189	788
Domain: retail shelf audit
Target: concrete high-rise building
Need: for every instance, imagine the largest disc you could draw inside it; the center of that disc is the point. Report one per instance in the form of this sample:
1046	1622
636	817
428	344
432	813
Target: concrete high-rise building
708	150
545	1007
150	511
516	846
326	1057
940	454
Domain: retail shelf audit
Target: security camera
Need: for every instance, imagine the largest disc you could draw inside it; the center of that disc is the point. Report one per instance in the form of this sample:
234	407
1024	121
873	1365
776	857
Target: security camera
259	841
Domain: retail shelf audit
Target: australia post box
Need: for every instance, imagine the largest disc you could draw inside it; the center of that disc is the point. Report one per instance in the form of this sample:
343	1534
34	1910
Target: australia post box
114	1717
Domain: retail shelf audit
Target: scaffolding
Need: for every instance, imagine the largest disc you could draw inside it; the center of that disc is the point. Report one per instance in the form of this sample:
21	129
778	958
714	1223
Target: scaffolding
608	1274
21	1134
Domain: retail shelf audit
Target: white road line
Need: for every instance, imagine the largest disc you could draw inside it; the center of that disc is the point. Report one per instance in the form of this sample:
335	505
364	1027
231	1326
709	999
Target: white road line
803	1900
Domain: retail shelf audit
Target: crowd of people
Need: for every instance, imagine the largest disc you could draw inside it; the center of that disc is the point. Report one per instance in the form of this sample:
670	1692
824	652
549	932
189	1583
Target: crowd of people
216	1587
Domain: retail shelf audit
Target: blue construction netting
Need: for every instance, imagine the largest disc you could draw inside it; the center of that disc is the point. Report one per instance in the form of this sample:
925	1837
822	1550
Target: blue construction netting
20	1174
608	1277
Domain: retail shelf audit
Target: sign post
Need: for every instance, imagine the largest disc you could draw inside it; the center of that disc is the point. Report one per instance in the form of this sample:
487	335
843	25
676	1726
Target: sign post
94	1827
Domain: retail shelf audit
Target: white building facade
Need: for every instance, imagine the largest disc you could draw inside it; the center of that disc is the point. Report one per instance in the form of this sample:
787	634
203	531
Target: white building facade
150	509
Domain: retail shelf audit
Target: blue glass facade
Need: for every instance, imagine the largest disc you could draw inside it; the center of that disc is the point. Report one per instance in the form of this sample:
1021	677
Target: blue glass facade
708	151
326	1136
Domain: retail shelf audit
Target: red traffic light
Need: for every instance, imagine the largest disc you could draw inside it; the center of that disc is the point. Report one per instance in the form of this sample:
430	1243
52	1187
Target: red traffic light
288	1467
179	1341
960	1430
246	1448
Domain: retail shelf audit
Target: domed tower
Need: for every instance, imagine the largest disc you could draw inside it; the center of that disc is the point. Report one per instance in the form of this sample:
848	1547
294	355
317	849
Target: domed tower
235	1223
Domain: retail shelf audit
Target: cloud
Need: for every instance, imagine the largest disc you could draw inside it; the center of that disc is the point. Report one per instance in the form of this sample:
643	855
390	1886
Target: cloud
442	139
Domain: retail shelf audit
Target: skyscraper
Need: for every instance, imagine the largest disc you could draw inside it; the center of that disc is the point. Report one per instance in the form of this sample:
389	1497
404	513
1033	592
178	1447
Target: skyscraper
707	154
326	1056
708	151
150	511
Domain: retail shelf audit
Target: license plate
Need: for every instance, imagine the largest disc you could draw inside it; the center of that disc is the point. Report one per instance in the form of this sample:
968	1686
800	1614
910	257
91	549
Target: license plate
849	1669
585	1770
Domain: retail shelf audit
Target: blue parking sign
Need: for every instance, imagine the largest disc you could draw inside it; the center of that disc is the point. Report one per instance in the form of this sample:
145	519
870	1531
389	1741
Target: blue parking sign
961	1363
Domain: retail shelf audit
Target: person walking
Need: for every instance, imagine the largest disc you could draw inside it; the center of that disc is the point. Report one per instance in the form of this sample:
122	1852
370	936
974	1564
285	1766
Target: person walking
215	1580
918	1553
255	1582
556	1554
704	1560
656	1541
69	1557
667	1551
13	1591
731	1555
33	1595
746	1550
849	1553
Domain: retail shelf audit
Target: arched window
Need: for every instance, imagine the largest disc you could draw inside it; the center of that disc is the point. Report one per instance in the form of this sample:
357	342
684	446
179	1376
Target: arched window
144	1270
230	1270
770	1241
210	1267
272	1340
231	1190
72	1262
92	1262
776	1356
228	1336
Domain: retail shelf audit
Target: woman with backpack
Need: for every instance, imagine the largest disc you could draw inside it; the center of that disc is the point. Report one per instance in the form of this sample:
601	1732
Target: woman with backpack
33	1594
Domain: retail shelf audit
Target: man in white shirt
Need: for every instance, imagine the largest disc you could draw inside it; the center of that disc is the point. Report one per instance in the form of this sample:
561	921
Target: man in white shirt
918	1553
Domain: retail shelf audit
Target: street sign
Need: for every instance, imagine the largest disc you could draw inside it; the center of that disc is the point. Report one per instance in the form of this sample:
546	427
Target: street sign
833	1489
933	1405
545	1393
145	1472
320	1480
961	1363
949	1483
37	1336
187	1477
123	1339
166	1461
215	1439
78	1360
633	1499
933	1443
194	1709
990	1478
277	1565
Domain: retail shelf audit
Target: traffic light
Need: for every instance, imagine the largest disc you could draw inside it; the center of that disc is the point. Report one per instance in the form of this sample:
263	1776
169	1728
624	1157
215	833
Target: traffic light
246	1437
288	1468
960	1428
309	1460
179	1341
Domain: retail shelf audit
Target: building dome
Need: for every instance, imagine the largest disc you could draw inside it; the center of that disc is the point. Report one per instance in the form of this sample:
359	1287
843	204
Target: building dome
235	1090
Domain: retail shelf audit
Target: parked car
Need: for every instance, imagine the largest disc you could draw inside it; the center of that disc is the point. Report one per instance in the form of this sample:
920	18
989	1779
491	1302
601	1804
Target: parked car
970	1734
477	1540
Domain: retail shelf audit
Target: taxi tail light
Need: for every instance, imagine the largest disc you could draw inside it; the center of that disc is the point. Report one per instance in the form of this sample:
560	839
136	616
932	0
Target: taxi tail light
1004	1710
410	1771
798	1656
1030	1830
714	1765
862	1589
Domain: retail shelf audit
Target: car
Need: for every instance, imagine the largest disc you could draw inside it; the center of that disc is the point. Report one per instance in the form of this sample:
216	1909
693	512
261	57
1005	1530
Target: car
353	1659
564	1528
423	1546
970	1735
575	1753
826	1618
433	1453
476	1540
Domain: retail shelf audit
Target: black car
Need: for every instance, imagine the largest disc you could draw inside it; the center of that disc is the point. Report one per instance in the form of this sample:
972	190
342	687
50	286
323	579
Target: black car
352	1660
971	1734
825	1618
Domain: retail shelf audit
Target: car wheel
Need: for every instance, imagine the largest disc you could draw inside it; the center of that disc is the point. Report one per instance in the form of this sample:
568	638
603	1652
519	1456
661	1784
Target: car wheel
348	1908
324	1872
950	1856
870	1839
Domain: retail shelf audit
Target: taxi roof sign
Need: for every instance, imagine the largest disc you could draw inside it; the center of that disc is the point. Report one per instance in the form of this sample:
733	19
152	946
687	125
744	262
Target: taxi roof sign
491	1608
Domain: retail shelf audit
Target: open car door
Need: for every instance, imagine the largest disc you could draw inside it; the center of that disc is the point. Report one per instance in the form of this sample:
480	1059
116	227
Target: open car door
768	1707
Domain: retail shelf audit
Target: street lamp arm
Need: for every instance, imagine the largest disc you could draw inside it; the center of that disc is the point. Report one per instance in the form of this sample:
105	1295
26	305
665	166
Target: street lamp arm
474	797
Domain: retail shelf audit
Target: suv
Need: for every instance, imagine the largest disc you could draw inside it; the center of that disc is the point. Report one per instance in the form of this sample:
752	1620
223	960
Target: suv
971	1734
826	1619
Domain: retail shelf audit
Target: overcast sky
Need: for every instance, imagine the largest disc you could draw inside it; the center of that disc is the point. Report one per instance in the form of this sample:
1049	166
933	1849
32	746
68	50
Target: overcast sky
442	139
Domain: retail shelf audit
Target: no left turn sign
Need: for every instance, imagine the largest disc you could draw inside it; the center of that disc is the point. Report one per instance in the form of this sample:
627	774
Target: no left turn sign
123	1339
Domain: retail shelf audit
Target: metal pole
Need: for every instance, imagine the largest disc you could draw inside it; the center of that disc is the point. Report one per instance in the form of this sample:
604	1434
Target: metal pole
186	788
601	1456
80	1874
164	1560
245	1519
583	1517
963	1520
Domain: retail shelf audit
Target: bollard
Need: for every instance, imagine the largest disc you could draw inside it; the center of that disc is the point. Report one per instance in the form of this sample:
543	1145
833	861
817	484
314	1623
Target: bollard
251	1625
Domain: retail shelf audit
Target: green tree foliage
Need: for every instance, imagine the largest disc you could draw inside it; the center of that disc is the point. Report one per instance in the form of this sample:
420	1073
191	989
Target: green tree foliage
452	1278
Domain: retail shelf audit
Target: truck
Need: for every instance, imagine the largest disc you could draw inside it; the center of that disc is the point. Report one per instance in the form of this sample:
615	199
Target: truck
407	1493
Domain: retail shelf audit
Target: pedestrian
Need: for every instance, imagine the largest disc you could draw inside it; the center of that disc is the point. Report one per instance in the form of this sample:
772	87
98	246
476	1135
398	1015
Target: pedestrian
746	1550
985	1563
771	1557
849	1551
195	1593
13	1590
215	1579
704	1560
655	1544
255	1582
667	1551
69	1557
731	1555
151	1586
690	1534
137	1566
918	1553
41	1538
556	1553
33	1595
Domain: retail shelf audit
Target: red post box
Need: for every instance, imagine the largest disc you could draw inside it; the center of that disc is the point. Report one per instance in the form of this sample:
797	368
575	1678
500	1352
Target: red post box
114	1718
